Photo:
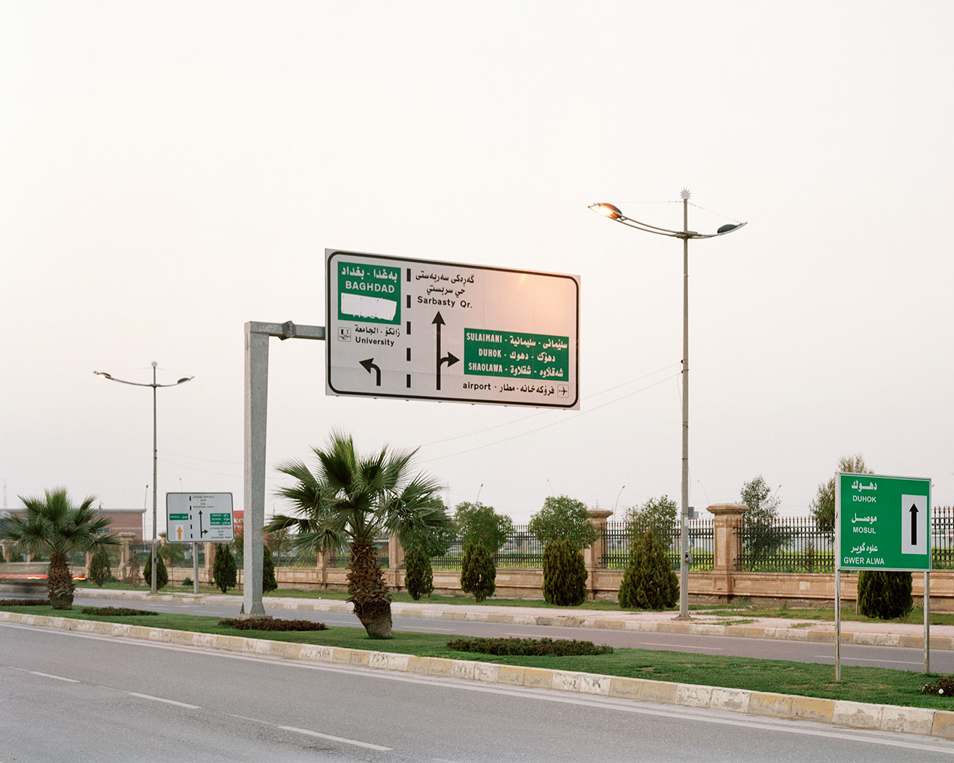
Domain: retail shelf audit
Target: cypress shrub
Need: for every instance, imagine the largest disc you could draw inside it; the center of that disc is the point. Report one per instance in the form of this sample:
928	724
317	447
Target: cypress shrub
648	582
564	574
223	568
162	575
418	575
99	571
477	572
269	583
885	595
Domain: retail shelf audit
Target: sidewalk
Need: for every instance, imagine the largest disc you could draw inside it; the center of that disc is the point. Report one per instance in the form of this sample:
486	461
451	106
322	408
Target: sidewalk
910	635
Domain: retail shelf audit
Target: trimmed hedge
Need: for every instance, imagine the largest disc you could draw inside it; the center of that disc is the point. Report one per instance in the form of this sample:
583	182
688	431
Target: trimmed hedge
117	611
273	624
529	647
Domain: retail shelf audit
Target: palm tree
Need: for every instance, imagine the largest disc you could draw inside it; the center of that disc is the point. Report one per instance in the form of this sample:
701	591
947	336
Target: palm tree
351	500
53	525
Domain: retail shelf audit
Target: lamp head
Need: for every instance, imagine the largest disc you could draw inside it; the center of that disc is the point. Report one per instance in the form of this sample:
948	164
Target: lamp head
728	227
184	379
102	374
607	210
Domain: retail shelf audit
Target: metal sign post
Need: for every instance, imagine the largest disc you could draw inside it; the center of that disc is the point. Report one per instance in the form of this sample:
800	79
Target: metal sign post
882	523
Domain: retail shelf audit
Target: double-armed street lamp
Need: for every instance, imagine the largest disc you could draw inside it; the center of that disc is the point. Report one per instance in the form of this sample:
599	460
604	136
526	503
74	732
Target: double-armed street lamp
155	453
614	213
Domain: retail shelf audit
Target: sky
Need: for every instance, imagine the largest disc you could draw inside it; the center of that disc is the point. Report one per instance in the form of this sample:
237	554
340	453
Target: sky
173	170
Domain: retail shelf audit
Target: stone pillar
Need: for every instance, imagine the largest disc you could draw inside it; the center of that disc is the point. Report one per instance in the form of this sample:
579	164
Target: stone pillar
125	539
593	555
393	576
6	549
323	559
209	561
726	545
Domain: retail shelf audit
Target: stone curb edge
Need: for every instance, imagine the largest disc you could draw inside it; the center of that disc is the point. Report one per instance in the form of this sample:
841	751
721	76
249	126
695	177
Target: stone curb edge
856	715
908	641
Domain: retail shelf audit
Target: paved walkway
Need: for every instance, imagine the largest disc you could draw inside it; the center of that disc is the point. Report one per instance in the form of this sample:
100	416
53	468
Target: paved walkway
909	635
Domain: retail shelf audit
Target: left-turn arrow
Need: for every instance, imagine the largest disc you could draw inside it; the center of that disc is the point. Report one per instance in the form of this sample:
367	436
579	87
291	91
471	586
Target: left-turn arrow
368	365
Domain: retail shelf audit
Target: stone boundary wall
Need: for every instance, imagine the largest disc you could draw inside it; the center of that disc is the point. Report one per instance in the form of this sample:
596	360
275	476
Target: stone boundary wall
856	715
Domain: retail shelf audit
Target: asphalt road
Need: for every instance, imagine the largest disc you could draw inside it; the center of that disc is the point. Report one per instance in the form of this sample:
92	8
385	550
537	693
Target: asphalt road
67	696
942	661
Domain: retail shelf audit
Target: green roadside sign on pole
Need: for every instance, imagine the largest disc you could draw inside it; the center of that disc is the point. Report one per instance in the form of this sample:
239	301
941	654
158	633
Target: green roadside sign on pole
883	523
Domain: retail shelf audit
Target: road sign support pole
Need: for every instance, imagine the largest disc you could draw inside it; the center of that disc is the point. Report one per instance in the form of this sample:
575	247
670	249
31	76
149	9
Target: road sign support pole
256	408
927	622
837	624
195	567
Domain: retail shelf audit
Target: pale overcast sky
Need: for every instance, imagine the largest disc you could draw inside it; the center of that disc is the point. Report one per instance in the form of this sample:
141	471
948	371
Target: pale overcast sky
172	170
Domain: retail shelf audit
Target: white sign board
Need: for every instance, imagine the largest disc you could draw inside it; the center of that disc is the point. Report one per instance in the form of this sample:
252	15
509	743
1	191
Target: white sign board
199	518
420	329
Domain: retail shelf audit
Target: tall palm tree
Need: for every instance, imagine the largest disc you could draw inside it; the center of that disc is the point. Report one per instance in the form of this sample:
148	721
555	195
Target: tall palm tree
53	525
350	500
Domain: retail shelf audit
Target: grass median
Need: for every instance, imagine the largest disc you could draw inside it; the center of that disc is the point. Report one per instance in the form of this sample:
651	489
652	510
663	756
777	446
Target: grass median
876	685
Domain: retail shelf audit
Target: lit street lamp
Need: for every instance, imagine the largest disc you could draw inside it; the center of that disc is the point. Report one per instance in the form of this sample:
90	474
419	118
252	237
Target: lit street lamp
155	453
614	213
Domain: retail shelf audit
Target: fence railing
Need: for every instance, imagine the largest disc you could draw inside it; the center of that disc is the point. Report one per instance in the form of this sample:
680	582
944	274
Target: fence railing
784	544
618	544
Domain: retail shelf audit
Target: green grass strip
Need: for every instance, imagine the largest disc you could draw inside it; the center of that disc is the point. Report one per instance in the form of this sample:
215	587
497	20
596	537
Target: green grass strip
875	685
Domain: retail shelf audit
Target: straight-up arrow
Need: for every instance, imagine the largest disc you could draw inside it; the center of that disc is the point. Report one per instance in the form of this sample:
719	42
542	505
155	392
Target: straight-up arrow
449	358
914	524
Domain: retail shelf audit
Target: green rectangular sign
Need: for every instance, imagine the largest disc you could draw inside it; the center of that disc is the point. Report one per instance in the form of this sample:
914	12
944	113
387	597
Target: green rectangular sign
516	355
369	293
882	523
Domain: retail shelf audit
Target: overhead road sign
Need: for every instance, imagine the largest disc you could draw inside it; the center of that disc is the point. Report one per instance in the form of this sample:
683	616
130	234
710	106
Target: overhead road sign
199	518
421	329
883	523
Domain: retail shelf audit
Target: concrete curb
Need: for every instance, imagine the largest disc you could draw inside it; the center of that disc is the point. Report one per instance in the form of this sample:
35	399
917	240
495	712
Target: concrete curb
856	715
827	636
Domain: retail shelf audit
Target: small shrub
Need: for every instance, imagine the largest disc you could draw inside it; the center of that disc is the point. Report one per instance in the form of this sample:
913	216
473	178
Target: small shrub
418	575
223	568
187	582
885	595
943	687
273	624
529	647
564	574
24	602
648	582
116	611
478	572
162	574
269	583
99	571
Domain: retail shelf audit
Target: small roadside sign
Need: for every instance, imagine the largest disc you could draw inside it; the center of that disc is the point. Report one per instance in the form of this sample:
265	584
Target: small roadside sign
883	523
199	518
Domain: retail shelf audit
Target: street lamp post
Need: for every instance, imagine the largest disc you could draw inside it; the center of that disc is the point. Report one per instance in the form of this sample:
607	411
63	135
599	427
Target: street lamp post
614	213
155	454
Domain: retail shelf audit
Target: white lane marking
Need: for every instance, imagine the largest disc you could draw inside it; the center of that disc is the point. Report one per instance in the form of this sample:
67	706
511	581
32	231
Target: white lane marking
50	675
434	630
685	648
331	738
162	699
829	658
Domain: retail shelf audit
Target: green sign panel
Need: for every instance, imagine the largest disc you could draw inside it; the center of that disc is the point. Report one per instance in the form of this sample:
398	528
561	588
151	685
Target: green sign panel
369	293
882	523
516	355
220	520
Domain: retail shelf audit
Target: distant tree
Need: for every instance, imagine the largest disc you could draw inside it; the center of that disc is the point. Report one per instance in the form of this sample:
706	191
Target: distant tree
99	571
657	514
53	526
162	574
224	573
823	505
279	541
478	572
477	523
648	581
564	573
761	534
418	574
563	518
269	583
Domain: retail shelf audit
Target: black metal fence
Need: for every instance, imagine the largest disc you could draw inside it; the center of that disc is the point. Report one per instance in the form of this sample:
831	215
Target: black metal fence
784	544
619	540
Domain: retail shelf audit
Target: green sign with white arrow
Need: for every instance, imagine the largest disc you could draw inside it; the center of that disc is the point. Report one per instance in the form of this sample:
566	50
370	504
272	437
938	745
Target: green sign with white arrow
882	523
